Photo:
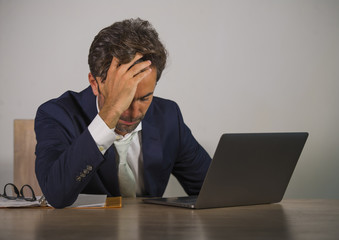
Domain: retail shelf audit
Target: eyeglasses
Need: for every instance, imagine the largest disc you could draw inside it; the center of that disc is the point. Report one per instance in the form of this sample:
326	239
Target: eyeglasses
11	192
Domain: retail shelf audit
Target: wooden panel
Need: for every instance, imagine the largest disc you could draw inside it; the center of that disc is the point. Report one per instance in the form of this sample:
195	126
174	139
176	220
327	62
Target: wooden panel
24	154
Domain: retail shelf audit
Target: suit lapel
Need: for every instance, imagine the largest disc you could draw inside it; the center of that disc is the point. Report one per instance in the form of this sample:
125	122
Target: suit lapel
152	156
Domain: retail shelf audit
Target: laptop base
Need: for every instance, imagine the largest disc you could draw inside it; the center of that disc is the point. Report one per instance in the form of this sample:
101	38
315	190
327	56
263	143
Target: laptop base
185	202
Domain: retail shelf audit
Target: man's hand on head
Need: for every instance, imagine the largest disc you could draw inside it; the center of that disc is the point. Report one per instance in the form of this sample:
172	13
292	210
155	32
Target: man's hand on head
118	90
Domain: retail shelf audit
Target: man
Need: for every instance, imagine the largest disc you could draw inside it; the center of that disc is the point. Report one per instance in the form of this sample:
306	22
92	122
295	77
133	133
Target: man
114	137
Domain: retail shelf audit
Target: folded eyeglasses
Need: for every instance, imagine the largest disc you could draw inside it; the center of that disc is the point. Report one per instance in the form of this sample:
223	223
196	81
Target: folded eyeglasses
11	192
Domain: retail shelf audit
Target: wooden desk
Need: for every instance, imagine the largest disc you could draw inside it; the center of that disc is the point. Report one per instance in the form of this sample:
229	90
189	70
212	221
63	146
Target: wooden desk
291	219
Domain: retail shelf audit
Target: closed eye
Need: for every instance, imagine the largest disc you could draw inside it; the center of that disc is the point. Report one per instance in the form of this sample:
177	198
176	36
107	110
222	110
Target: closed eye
145	98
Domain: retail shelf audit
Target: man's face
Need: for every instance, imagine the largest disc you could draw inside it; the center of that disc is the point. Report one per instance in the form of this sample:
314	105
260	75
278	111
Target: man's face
130	118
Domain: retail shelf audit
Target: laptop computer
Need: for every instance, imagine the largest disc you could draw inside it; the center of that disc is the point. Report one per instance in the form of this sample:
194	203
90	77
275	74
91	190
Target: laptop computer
247	169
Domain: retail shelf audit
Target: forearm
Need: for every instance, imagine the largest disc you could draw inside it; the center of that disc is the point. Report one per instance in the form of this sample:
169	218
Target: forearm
192	162
191	168
64	171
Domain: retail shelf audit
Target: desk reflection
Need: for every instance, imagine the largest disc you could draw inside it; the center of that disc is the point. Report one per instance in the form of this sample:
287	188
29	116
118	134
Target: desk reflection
141	221
252	222
130	222
292	219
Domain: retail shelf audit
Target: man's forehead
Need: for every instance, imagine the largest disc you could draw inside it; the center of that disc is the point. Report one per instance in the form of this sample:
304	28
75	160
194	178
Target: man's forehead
147	84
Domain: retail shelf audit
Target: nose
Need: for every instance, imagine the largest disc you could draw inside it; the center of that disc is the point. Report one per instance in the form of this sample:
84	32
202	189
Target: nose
133	110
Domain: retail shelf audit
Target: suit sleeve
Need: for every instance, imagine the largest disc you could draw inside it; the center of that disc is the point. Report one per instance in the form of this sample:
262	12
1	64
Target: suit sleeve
66	156
192	162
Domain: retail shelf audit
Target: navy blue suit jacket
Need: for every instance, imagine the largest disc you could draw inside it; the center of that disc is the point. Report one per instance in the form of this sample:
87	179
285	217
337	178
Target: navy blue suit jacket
68	161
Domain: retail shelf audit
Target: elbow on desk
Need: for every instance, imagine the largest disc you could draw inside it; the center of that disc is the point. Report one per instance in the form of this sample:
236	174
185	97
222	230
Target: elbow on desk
56	195
59	201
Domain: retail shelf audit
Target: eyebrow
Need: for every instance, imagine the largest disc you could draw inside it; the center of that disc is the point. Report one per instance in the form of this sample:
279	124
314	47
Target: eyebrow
145	96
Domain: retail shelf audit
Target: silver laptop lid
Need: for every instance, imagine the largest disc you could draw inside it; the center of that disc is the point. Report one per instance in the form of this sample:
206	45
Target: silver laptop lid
251	168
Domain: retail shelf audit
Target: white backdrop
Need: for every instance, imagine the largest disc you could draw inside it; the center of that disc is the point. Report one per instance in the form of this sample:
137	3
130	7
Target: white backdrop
234	66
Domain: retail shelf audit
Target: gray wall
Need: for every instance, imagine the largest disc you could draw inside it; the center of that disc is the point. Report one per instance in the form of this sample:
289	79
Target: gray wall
234	66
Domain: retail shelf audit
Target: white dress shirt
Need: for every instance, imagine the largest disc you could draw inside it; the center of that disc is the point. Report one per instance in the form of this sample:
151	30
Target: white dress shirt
104	138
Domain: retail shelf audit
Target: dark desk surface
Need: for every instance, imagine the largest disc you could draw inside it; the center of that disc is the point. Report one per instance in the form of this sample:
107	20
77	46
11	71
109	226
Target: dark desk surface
290	219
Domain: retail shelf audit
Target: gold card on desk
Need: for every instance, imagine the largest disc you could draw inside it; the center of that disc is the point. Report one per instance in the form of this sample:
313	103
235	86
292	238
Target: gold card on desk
113	202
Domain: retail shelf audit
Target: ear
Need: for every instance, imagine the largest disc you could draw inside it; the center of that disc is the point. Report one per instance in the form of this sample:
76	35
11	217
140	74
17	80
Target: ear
94	84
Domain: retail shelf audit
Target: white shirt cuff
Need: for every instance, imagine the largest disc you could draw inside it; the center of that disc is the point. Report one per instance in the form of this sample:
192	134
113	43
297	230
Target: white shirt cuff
102	134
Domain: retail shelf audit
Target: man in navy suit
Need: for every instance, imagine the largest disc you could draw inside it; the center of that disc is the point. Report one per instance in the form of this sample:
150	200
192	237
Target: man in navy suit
78	133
